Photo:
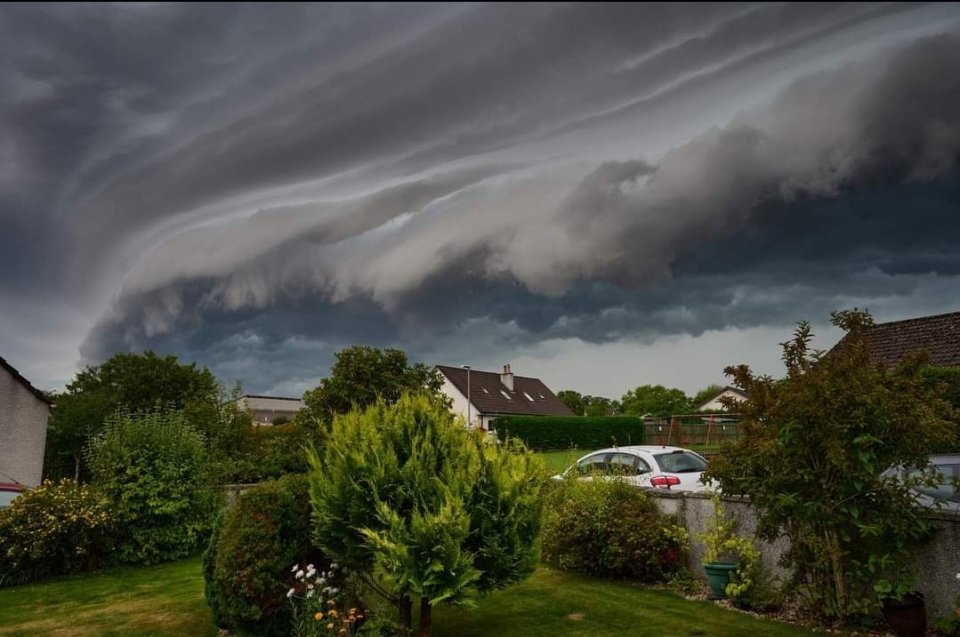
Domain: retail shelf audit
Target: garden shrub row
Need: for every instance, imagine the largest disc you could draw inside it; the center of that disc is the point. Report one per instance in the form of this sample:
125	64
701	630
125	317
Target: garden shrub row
611	529
149	501
246	567
546	433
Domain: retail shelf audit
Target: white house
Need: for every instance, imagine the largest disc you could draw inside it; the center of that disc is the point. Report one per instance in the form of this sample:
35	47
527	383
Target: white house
492	394
23	428
715	404
264	410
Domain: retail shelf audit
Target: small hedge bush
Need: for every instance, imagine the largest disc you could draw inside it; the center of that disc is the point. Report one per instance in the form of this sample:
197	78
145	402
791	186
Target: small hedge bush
254	545
611	529
154	470
53	529
545	433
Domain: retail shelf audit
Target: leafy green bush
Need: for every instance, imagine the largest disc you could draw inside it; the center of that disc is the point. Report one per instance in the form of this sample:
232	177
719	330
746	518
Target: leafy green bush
812	457
54	529
152	467
247	563
545	433
611	529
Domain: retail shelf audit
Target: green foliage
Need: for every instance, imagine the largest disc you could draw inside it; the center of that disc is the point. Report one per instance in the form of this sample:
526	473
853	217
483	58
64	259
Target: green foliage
362	375
611	529
655	400
545	433
134	382
750	585
247	562
573	400
153	468
811	458
945	381
404	495
54	529
705	394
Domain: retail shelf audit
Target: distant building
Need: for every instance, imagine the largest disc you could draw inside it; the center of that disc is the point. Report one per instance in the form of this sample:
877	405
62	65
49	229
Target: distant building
24	410
264	410
492	394
939	335
715	403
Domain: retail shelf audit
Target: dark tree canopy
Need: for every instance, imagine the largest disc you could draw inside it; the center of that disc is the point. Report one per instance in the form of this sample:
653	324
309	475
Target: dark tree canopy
132	382
361	375
656	400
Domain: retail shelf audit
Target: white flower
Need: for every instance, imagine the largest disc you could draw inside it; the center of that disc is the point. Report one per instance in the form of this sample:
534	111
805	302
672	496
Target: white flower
310	567
290	592
299	574
958	575
333	565
334	591
294	569
309	587
310	594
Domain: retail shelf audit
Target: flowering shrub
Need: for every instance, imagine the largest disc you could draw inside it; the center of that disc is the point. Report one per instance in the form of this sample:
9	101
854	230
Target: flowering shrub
247	564
56	528
318	608
613	529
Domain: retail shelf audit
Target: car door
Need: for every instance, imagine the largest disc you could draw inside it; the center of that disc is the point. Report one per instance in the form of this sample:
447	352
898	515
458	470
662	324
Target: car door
631	468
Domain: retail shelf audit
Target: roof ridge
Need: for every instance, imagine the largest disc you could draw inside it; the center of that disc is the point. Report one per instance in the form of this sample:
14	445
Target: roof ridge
917	319
26	383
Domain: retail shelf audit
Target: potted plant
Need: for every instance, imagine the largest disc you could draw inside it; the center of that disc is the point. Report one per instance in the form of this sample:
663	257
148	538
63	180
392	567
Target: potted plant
903	608
724	552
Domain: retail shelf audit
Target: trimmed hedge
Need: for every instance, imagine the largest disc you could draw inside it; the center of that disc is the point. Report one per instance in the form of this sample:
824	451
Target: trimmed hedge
255	543
545	433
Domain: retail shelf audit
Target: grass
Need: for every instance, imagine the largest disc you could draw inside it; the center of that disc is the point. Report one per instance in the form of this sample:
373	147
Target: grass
560	461
152	601
167	601
554	604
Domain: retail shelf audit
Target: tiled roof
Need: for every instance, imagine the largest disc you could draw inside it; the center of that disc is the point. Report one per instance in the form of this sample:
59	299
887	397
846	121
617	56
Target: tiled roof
939	335
23	381
529	397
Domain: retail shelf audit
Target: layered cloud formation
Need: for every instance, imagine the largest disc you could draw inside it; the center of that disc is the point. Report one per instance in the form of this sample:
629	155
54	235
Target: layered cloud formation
254	187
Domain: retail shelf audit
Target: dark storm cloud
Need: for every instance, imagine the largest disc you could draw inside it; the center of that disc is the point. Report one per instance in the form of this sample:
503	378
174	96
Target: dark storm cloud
238	183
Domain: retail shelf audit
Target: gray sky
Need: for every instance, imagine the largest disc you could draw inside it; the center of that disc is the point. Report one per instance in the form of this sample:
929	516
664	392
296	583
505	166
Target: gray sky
604	196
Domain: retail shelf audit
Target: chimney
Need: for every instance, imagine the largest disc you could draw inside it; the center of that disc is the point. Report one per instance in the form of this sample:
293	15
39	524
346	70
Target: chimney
507	377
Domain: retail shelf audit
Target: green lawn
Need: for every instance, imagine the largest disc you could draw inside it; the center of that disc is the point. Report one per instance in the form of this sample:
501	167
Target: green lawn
154	601
559	461
168	601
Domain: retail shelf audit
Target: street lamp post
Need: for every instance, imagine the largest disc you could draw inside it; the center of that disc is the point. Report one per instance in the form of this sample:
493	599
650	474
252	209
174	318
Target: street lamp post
469	424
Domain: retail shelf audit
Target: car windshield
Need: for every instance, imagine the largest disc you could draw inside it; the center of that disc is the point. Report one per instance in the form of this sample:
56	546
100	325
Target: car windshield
680	462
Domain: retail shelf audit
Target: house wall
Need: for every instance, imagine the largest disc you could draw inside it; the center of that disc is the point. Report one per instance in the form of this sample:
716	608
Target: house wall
459	404
936	563
23	432
715	404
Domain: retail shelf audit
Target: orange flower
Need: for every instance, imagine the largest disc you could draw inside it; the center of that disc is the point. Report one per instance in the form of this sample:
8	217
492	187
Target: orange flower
333	614
330	626
318	616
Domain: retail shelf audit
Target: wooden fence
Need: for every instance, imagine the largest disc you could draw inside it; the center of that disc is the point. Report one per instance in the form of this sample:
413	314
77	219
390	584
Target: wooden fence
703	432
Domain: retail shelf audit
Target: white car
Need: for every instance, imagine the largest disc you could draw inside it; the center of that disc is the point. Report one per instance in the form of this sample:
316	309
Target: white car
649	466
944	494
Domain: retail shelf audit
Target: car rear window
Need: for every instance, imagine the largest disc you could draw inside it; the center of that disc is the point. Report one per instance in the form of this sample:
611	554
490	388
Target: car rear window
680	462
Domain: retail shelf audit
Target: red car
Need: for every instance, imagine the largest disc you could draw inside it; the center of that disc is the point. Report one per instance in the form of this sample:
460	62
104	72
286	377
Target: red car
9	491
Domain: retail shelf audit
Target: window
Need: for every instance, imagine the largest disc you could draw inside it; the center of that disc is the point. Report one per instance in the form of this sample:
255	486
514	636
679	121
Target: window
681	462
529	397
597	463
505	395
